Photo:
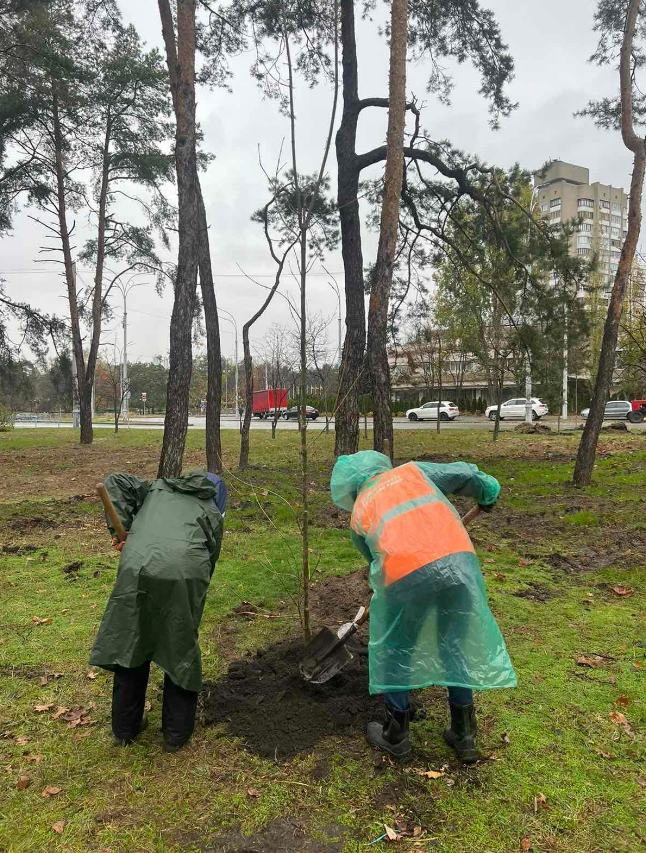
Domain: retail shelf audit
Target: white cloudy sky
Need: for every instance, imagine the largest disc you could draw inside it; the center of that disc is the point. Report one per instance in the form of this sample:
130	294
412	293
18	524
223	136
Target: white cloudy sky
550	42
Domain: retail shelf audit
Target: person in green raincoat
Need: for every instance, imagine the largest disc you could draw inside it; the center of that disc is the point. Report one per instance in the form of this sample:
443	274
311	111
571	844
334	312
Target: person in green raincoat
175	531
429	618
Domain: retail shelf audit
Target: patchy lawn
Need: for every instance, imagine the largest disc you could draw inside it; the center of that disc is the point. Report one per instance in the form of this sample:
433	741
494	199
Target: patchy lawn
564	753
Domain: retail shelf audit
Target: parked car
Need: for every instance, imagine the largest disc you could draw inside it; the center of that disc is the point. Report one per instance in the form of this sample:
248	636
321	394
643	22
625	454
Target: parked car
428	412
619	410
311	413
26	416
516	409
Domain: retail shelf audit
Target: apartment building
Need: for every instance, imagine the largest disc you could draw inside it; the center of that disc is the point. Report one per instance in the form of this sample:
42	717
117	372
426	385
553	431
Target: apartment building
563	192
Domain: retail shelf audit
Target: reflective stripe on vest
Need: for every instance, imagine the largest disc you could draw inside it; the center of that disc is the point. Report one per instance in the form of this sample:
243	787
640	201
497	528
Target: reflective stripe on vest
407	522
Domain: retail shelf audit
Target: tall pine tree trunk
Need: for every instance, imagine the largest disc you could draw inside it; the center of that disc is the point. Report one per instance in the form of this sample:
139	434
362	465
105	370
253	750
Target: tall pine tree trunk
347	408
181	353
214	356
383	274
588	446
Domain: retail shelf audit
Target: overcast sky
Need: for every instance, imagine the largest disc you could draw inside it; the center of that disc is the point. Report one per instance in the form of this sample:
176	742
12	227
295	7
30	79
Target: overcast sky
550	41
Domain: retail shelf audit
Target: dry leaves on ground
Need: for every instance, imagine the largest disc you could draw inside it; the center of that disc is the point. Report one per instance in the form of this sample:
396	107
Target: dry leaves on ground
38	621
586	660
253	792
42	709
390	833
59	826
603	754
51	791
525	844
641	782
92	675
620	720
621	702
21	740
540	802
623	591
23	783
504	737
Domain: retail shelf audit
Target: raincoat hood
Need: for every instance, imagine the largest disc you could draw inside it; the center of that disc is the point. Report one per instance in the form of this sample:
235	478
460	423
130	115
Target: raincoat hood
194	483
351	473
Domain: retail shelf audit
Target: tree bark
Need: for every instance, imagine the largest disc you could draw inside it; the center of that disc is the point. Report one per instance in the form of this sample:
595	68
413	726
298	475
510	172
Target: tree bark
347	408
214	355
248	373
588	446
380	292
180	362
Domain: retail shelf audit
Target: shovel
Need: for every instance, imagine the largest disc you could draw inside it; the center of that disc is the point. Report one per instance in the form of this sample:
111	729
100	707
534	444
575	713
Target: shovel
111	512
326	655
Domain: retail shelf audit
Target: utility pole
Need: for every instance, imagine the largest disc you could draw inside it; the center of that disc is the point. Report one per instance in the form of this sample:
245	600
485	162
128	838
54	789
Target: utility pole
76	415
231	319
565	368
125	290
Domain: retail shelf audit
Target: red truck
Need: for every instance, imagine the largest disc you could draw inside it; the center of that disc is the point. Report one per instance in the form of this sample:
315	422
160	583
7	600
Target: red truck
266	403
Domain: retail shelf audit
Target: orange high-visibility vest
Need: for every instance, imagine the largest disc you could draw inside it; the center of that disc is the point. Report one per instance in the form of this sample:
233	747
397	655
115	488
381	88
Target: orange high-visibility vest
407	522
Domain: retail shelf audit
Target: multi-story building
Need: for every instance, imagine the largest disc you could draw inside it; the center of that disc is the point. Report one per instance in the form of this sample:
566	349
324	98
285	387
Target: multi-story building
564	193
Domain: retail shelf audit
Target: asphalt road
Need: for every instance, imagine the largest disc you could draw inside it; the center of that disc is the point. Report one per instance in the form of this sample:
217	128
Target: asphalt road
229	422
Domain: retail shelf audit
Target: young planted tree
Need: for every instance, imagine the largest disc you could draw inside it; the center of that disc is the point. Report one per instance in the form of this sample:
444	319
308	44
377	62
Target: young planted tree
111	386
622	28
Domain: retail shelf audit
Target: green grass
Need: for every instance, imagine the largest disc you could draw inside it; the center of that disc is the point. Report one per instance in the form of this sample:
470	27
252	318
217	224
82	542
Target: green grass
551	557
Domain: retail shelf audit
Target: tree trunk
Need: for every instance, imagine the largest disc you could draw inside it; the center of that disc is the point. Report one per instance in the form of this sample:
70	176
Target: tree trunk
383	274
347	408
214	356
496	428
248	373
70	276
588	446
180	361
439	382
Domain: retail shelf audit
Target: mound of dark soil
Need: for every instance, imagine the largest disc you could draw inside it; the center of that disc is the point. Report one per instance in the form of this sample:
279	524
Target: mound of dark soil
280	836
264	701
533	429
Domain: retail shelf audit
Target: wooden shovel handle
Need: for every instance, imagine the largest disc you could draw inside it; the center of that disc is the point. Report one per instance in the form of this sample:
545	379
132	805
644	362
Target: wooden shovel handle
111	512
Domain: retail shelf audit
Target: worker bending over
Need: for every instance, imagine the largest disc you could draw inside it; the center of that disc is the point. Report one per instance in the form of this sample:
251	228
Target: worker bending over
429	618
174	536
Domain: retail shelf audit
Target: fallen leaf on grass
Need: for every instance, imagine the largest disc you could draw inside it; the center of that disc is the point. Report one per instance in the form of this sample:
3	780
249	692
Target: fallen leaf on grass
638	665
584	660
603	754
540	802
504	737
641	782
526	844
500	576
148	706
38	621
253	792
621	702
618	718
23	783
390	833
43	680
51	791
35	758
42	709
21	740
59	826
434	774
623	591
524	562
79	736
92	675
59	712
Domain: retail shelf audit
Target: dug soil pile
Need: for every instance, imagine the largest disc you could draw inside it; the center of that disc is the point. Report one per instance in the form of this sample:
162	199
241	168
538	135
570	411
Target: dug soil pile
263	699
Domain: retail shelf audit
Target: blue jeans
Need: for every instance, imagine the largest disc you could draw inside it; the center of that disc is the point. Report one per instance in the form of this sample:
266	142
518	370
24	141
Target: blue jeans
459	696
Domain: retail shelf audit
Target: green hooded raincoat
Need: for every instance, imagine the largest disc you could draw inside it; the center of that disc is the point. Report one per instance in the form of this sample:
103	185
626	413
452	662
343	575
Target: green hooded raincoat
429	618
155	609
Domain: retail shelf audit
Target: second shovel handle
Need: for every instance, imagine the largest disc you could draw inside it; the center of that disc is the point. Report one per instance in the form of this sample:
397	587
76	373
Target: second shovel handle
111	512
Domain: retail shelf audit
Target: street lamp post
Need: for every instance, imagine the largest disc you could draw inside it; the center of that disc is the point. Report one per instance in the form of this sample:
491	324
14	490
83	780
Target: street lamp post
125	289
231	319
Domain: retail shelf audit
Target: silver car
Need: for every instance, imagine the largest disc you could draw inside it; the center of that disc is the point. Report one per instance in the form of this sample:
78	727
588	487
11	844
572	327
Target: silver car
615	410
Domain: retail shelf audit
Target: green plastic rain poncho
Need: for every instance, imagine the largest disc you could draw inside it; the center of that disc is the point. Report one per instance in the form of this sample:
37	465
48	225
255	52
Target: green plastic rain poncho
154	612
429	618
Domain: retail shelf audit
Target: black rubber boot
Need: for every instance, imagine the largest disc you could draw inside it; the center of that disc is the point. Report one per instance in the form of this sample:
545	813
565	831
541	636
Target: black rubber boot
393	736
126	741
462	733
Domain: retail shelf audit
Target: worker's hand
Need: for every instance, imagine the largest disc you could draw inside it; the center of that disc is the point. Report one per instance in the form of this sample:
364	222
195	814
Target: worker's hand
486	507
117	544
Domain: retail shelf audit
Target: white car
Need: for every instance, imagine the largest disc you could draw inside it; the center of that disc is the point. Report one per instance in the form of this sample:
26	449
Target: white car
428	412
516	409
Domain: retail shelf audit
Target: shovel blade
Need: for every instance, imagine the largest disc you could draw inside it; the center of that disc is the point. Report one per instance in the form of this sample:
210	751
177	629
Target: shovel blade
318	672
